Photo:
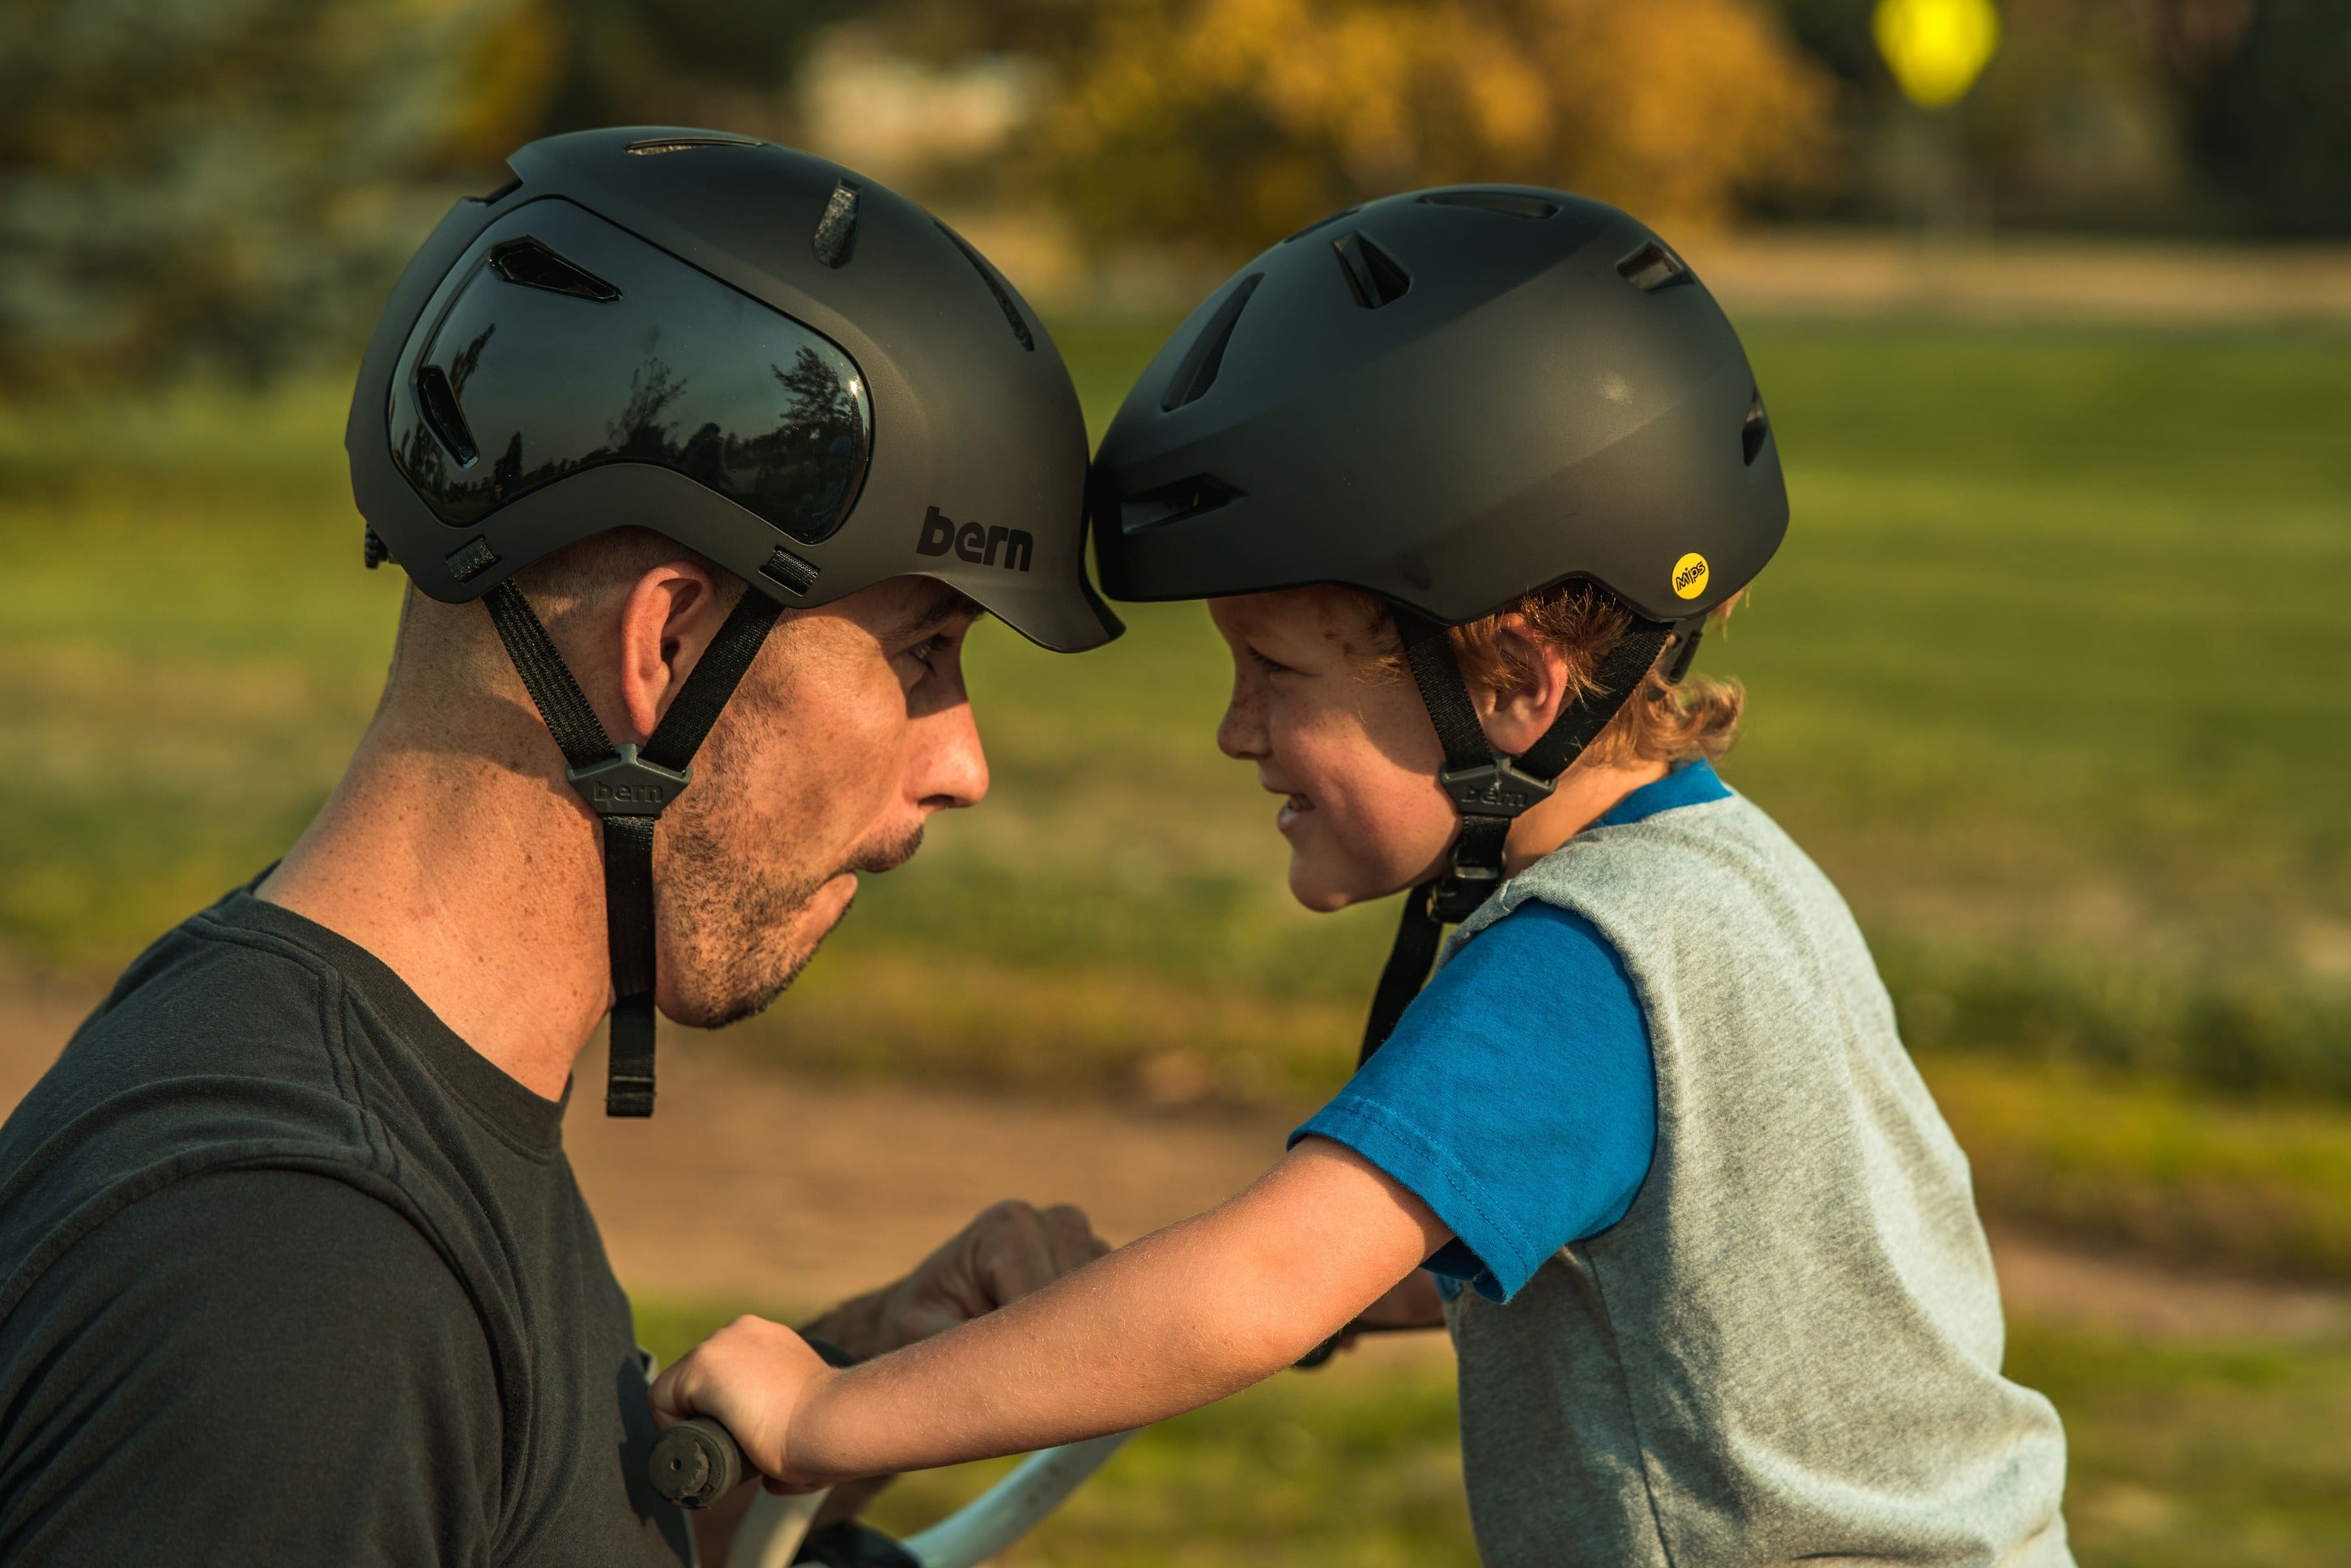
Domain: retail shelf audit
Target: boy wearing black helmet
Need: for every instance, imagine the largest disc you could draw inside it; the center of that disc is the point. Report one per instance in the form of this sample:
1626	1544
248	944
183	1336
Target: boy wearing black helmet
1708	1251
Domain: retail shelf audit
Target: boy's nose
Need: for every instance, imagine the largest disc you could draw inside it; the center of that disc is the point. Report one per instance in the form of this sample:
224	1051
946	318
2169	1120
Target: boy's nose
1241	734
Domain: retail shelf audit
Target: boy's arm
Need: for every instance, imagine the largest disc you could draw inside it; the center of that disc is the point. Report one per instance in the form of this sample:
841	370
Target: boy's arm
1183	1317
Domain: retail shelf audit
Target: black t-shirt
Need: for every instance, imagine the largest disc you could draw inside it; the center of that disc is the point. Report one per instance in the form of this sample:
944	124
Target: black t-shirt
289	1273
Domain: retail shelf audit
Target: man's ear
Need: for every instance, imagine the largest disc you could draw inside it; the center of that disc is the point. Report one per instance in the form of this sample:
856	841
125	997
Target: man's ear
667	622
1535	690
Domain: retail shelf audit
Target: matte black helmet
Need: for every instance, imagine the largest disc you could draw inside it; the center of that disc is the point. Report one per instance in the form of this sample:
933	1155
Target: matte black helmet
772	360
1450	399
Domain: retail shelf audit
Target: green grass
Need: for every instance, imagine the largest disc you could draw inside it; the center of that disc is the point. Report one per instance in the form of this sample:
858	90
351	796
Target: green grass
2179	1455
2262	1189
2048	676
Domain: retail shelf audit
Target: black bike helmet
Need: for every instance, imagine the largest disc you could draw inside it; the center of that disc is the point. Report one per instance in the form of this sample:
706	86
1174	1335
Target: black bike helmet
776	362
1450	399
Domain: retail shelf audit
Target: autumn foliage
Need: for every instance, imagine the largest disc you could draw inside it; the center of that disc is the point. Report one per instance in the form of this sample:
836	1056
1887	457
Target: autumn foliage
1225	122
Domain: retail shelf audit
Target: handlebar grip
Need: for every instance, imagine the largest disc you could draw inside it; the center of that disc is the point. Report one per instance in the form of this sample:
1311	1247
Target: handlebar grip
696	1463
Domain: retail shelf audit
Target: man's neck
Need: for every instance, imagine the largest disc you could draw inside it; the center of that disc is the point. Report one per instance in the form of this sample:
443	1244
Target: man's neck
477	879
1584	796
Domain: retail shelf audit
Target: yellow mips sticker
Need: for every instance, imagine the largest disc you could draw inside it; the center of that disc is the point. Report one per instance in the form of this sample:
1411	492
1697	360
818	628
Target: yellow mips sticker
1689	575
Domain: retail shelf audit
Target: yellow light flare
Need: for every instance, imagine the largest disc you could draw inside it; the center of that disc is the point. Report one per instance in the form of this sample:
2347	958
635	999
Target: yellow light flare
1936	49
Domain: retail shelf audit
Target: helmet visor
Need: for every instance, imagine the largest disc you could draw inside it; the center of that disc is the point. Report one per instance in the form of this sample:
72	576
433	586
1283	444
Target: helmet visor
570	349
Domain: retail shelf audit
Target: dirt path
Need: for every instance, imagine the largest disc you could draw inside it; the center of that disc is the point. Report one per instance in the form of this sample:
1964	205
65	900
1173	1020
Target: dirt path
771	1188
759	1185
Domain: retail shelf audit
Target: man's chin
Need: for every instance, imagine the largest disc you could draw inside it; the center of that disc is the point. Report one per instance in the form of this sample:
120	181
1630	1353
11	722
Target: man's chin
824	910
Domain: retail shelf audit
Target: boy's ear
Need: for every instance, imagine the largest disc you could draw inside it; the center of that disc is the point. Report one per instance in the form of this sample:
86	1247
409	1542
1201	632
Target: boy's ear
1534	677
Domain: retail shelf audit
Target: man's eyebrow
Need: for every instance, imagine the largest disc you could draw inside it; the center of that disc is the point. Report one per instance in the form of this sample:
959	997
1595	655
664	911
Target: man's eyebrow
952	606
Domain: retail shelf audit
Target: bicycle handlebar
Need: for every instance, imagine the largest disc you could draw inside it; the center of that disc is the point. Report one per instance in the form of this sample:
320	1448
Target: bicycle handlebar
697	1461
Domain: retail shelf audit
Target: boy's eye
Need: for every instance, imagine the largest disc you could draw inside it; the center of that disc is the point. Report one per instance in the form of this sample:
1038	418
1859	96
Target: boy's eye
1271	666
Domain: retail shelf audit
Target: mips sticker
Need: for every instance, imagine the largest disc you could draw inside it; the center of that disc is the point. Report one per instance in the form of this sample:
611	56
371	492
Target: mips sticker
1689	575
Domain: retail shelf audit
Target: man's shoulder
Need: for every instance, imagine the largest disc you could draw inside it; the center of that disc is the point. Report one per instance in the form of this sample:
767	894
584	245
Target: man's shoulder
214	1051
278	1325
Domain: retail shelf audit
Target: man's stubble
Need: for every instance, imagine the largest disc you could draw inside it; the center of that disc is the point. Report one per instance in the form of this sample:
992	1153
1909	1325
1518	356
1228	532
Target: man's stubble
733	920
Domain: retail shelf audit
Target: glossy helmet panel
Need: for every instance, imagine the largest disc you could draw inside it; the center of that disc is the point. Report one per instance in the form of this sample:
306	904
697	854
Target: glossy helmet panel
764	356
562	347
1448	399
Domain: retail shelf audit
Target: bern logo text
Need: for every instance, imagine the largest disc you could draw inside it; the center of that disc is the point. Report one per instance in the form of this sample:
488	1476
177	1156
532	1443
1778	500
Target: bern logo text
605	792
1008	547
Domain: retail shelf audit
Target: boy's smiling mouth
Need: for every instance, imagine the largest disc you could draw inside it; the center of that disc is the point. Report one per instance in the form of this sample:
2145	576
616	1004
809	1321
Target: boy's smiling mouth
1294	806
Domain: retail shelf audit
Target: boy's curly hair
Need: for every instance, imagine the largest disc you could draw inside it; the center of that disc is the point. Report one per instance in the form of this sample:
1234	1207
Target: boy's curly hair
1698	719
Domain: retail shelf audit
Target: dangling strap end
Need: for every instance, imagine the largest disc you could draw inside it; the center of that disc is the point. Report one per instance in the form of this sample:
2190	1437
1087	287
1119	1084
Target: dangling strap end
629	1087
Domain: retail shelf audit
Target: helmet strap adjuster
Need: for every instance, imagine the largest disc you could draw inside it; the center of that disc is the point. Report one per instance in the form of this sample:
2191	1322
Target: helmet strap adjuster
628	787
1490	790
625	785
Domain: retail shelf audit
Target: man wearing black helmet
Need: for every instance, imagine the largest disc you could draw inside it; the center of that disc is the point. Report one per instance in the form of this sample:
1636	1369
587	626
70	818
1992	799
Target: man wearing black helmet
731	447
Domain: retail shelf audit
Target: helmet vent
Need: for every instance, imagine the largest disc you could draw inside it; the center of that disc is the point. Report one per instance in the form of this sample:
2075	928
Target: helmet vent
836	232
1651	267
1322	222
437	400
986	275
655	146
1197	372
1511	203
790	569
1173	503
1373	275
532	264
1758	427
470	559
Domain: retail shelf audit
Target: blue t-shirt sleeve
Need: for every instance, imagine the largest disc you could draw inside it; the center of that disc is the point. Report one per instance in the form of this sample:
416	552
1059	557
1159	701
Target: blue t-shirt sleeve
1515	1098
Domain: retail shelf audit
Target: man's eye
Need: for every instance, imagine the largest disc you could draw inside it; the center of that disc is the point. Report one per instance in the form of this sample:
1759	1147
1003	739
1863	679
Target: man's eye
927	652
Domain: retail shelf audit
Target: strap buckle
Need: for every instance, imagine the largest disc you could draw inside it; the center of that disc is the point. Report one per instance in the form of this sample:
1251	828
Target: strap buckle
1461	892
1498	788
625	785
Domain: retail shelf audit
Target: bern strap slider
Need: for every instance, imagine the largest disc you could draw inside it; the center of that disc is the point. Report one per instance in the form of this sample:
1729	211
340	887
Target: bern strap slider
1495	788
1461	891
626	785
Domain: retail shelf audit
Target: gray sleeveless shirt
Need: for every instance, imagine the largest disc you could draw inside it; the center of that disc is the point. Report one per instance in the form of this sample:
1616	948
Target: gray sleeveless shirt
1790	1347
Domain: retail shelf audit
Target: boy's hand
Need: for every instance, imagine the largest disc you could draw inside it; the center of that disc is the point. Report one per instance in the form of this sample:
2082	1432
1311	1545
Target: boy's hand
752	1378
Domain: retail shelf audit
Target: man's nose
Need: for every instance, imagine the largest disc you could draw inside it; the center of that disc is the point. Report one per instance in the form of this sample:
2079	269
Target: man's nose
951	765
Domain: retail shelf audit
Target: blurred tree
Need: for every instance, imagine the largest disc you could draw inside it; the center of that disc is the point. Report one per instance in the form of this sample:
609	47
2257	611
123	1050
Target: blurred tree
231	181
2280	119
716	63
1224	123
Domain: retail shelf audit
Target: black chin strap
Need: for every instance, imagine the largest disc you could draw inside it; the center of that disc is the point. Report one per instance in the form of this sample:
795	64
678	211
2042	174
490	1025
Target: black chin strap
628	787
1490	790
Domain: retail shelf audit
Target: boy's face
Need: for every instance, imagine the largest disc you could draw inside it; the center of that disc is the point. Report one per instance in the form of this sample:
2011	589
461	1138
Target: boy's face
1349	747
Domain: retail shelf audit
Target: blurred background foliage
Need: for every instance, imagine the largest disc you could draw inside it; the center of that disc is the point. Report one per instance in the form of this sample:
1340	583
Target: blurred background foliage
232	181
